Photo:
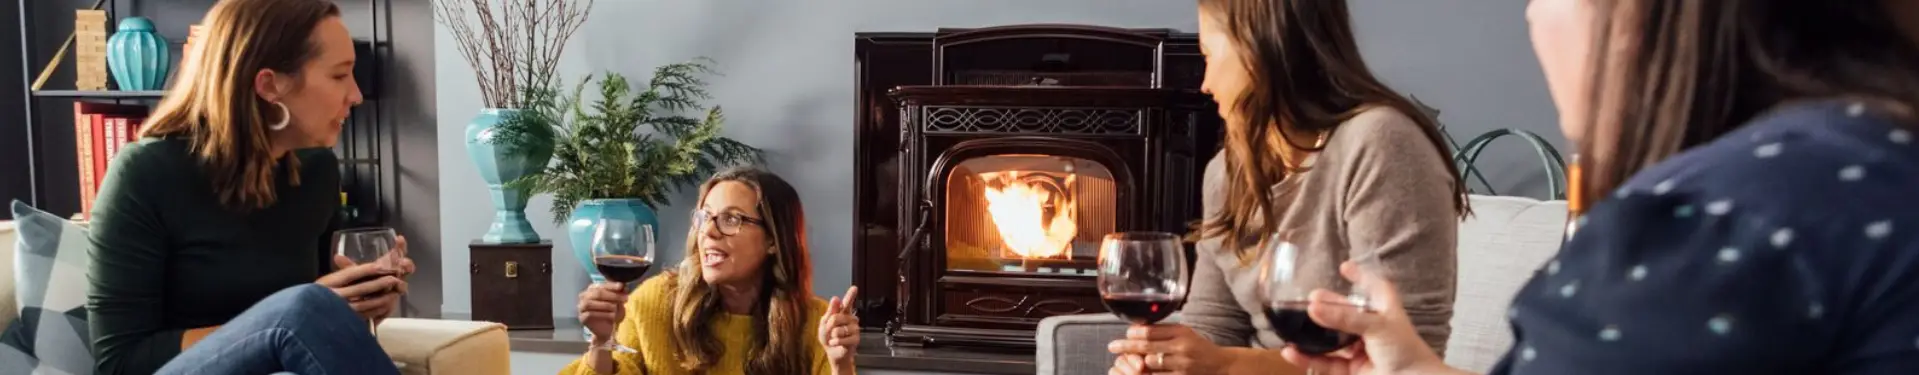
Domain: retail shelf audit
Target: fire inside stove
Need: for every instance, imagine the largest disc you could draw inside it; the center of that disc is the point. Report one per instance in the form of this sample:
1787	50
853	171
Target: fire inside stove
1034	214
1027	214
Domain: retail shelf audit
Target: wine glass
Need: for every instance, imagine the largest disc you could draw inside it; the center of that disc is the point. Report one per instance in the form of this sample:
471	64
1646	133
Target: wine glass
1142	275
367	245
622	253
1285	293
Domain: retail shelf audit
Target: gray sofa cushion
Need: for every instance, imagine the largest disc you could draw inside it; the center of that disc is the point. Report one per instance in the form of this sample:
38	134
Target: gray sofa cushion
9	309
1500	247
1076	344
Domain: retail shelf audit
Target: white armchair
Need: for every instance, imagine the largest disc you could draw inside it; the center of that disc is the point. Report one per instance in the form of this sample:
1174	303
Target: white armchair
423	346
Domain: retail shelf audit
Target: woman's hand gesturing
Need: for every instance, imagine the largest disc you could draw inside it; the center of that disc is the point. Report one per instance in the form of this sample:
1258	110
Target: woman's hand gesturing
840	331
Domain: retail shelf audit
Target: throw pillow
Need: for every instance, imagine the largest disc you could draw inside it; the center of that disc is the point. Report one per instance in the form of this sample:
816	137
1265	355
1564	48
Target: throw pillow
50	270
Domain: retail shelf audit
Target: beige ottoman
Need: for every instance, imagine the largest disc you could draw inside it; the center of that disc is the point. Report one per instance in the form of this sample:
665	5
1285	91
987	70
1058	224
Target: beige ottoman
438	347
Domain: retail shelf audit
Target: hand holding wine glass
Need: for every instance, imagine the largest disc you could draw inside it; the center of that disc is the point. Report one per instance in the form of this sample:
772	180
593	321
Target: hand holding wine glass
622	253
1285	293
1142	275
1388	343
377	259
1143	278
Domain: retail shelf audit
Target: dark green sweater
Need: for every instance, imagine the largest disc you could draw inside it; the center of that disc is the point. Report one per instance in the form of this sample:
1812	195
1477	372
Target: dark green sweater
168	257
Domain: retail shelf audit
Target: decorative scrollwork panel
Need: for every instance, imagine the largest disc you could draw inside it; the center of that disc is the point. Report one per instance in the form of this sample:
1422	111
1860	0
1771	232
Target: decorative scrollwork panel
1032	120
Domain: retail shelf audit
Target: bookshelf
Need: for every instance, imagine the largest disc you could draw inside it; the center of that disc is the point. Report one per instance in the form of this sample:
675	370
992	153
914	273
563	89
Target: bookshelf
99	94
367	149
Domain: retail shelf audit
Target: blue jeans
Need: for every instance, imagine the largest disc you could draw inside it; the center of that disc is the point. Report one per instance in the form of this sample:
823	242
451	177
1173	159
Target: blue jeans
304	329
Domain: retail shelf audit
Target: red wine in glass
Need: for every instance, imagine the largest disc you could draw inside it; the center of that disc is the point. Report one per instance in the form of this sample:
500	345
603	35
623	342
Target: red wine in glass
622	253
1285	285
1142	275
1290	321
1141	308
368	245
622	268
365	245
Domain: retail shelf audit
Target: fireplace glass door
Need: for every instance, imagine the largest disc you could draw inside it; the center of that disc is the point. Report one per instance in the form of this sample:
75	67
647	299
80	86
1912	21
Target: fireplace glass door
1028	215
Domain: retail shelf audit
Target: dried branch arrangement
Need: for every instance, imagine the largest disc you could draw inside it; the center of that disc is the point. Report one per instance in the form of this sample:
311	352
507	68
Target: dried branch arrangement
511	44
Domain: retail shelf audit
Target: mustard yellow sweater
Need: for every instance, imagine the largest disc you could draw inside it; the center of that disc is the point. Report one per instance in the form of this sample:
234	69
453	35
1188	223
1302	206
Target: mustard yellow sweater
648	329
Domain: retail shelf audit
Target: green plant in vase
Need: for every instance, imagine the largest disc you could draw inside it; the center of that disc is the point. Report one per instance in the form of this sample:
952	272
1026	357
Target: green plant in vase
620	155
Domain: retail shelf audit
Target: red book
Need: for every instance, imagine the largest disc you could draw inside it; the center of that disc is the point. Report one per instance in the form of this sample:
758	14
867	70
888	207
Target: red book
99	140
91	135
83	154
124	130
116	135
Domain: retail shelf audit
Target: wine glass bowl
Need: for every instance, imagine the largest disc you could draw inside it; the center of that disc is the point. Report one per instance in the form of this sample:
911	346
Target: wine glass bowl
1142	275
1285	293
622	249
622	252
365	245
368	245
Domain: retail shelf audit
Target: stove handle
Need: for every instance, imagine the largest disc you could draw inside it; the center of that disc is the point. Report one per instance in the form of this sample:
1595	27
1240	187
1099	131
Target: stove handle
919	233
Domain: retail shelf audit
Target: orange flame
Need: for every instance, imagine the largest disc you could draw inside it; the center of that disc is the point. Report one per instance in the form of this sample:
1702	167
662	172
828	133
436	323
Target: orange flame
1020	211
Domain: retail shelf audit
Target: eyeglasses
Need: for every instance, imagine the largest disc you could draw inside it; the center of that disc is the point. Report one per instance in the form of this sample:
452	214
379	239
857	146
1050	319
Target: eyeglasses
729	223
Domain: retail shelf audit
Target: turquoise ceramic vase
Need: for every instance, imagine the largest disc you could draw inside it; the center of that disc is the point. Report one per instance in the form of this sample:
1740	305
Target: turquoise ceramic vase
137	56
579	227
500	165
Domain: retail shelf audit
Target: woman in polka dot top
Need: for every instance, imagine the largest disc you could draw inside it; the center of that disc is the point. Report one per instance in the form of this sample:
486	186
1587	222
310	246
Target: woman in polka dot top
1753	178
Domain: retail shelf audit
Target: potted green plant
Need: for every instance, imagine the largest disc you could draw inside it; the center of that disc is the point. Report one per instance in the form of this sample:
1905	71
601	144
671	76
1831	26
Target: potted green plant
619	156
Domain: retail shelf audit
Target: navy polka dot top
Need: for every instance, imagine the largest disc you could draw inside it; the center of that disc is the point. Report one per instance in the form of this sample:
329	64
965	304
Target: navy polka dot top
1790	246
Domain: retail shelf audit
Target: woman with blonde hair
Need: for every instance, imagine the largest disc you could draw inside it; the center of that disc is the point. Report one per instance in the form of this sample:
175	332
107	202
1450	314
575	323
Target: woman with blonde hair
740	303
209	232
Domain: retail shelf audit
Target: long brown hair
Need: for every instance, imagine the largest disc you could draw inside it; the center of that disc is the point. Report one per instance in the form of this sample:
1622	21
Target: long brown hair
1307	77
1670	75
779	337
212	103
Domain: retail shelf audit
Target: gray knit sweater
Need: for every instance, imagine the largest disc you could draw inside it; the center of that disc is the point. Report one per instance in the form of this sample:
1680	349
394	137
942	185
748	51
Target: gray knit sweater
1378	186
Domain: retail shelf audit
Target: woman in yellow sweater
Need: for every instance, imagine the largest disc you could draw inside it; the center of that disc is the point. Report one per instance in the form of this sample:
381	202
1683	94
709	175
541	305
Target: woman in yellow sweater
741	303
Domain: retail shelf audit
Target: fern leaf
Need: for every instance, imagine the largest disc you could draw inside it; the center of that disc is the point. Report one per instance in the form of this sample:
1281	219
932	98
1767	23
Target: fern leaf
601	150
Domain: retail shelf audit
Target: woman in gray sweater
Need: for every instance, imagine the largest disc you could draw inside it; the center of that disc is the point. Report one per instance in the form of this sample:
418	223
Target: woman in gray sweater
1318	148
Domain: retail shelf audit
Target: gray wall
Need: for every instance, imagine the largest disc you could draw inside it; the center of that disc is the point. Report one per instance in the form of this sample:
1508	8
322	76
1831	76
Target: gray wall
413	201
1473	61
788	88
408	109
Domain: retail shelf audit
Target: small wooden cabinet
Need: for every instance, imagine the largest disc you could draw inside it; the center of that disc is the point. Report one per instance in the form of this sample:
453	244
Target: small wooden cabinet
513	284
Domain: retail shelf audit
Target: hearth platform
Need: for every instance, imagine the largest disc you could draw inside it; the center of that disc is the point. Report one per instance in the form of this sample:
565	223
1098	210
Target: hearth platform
567	338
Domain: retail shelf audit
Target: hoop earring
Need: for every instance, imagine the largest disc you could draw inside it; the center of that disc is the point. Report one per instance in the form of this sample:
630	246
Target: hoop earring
286	117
